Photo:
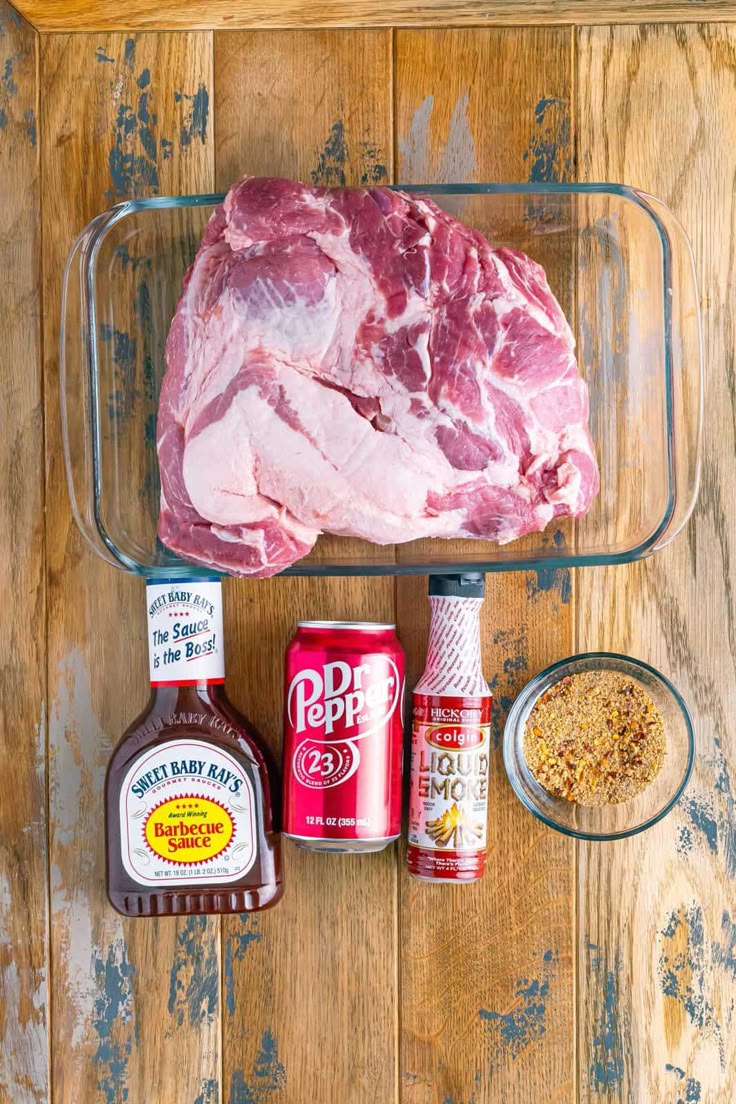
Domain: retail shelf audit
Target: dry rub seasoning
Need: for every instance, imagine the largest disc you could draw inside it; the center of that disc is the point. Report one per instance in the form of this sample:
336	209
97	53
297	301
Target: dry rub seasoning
595	738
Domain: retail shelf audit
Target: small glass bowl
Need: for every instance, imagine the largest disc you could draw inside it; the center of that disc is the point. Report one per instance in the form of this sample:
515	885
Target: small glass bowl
607	822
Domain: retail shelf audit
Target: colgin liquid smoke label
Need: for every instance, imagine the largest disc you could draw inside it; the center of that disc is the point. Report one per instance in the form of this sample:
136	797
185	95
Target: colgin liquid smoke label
343	736
450	740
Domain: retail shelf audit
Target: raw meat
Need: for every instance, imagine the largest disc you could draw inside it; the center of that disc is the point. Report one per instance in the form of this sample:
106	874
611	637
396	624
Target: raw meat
359	362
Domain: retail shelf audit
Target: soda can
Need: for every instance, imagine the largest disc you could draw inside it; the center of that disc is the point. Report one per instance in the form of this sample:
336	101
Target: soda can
343	736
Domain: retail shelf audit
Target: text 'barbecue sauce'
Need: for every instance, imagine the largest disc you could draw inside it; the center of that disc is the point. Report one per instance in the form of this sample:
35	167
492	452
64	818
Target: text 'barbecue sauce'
190	821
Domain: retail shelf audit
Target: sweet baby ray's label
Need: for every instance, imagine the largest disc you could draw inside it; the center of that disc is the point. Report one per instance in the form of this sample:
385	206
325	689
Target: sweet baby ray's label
187	814
185	639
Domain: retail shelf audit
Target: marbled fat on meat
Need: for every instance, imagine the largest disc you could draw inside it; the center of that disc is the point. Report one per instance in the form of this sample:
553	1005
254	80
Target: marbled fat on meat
357	361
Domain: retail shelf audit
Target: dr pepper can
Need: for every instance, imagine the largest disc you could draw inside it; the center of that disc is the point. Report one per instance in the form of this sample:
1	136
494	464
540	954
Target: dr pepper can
343	736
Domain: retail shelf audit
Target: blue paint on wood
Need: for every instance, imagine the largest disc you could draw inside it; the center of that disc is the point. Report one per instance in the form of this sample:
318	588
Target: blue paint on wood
519	1027
514	663
144	114
149	430
134	154
415	1079
692	1092
29	118
130	260
129	53
504	685
143	312
703	819
373	170
548	156
268	1076
723	950
551	580
148	141
137	147
692	1086
525	1022
472	1099
685	973
606	1069
122	399
210	1092
712	816
194	979
8	89
126	120
8	83
113	1010
332	161
196	117
237	945
6	12
100	55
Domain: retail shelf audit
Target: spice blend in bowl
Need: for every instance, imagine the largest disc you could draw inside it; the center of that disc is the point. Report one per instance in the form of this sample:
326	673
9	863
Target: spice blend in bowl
555	781
595	738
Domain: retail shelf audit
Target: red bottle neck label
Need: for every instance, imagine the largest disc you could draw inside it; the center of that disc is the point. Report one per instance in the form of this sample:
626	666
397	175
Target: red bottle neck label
185	638
454	656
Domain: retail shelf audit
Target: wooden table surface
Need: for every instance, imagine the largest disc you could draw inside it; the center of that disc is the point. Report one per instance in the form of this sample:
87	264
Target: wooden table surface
572	972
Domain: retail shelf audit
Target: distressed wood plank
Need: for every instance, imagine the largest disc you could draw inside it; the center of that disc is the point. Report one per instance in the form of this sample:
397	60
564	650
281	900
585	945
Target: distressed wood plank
310	987
487	970
23	838
135	1005
89	15
657	984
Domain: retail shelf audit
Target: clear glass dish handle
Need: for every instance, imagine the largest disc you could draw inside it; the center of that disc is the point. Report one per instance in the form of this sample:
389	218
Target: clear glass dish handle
78	393
687	370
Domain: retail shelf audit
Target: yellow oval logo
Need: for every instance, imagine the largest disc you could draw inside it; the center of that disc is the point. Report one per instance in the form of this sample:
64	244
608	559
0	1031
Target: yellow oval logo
189	829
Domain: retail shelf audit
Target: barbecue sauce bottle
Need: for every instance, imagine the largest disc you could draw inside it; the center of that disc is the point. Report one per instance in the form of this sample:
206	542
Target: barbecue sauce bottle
190	823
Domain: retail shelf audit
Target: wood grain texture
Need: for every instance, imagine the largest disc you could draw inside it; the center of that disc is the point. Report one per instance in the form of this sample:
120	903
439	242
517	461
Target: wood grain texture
310	987
89	15
487	970
134	1006
23	876
657	983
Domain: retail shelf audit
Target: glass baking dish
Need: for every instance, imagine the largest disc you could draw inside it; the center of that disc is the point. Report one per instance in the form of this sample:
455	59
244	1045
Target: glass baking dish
617	260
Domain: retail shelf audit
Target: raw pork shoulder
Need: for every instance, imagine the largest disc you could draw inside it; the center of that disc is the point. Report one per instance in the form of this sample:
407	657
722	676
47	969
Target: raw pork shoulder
358	361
